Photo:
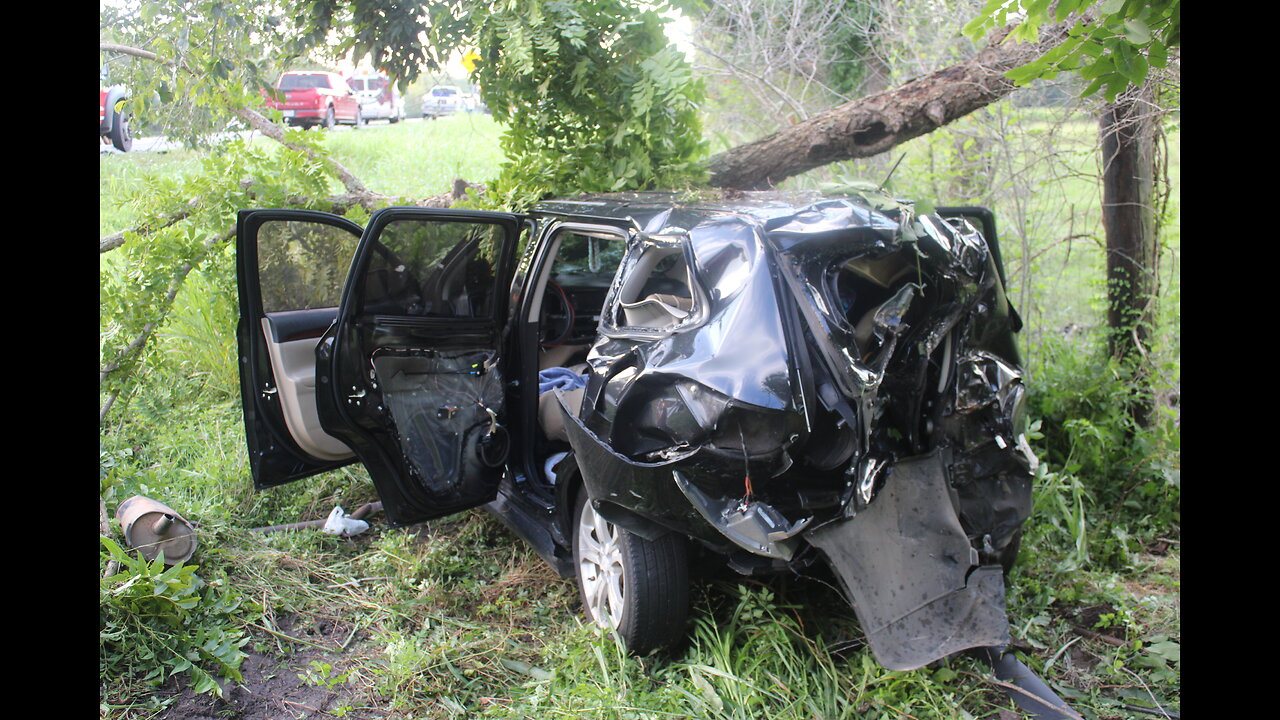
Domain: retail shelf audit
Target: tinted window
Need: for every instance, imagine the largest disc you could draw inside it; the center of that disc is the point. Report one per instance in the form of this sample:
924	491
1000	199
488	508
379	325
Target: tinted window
304	82
444	91
583	256
433	269
303	265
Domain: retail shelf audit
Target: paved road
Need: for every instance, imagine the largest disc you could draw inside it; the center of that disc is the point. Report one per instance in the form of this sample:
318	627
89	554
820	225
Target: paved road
160	144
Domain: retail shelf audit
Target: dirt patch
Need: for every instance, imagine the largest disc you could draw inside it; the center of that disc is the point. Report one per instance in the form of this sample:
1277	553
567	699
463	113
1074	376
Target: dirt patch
279	687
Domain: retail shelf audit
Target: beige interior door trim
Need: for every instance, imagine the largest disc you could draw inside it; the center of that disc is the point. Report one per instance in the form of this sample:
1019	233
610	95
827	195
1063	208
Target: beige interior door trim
294	365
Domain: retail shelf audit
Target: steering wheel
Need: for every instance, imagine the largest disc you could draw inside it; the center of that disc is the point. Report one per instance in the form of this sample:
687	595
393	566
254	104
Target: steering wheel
555	306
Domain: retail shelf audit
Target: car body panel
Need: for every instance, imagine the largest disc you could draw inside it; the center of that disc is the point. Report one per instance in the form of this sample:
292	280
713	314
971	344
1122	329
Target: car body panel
785	378
306	97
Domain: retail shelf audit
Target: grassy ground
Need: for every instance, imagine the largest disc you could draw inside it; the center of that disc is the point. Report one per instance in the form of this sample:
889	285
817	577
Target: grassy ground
457	618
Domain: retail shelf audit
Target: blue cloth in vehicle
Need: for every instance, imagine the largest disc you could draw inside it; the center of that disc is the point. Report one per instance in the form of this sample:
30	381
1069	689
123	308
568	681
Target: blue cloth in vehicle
559	378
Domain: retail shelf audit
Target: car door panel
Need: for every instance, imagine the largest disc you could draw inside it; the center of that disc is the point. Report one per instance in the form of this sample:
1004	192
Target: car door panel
405	374
291	267
414	358
293	362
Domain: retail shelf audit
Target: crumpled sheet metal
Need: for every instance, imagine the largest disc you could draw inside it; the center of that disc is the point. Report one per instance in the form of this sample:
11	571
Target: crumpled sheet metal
739	350
891	328
914	579
646	489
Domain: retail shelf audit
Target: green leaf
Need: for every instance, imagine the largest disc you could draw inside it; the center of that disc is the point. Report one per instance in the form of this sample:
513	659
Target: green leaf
1137	31
1158	55
1065	8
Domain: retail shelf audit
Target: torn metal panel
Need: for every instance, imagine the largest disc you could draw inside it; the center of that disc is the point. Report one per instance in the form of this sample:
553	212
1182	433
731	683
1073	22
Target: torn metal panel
646	489
911	573
828	373
752	525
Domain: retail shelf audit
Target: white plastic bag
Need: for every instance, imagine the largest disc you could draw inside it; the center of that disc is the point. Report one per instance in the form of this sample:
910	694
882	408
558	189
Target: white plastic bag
340	524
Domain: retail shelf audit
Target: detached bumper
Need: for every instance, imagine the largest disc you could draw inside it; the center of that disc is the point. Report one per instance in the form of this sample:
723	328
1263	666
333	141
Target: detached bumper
911	574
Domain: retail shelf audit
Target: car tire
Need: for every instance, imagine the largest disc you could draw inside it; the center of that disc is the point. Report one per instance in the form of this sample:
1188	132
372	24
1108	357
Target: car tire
121	135
330	119
638	587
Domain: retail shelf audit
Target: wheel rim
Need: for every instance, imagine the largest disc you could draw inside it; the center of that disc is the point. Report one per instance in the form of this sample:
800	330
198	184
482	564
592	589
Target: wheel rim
600	568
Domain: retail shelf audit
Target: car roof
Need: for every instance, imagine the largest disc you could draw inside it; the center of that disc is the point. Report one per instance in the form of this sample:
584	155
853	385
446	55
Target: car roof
771	208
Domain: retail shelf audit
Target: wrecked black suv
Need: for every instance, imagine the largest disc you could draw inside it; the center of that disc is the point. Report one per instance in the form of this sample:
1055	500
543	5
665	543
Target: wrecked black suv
781	379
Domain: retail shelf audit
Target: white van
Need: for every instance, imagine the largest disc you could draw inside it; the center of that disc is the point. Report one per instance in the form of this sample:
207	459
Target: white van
379	97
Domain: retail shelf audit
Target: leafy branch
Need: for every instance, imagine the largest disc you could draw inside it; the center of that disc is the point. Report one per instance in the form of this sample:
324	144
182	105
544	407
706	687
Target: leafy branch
1112	43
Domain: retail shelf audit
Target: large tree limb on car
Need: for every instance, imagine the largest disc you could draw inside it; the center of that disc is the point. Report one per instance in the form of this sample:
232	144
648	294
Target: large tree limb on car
871	125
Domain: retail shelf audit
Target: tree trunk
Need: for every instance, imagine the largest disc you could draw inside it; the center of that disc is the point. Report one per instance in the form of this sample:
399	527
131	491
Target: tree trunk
871	125
1127	134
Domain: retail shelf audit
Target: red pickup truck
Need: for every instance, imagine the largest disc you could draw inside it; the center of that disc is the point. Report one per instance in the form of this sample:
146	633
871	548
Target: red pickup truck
314	97
113	121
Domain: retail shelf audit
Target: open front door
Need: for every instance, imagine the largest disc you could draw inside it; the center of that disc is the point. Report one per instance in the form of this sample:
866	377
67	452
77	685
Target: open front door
290	266
412	375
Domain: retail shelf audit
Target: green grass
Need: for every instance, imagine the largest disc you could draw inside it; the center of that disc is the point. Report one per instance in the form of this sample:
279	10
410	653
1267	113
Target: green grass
413	158
420	159
457	618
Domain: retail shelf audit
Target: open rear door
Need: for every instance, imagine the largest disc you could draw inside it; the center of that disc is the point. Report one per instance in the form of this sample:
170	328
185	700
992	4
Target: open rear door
412	375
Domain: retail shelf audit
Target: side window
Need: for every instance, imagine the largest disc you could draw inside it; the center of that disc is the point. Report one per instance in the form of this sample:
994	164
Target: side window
303	265
655	289
587	256
433	269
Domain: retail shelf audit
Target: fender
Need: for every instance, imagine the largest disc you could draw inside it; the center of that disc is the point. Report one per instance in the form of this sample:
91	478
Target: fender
115	95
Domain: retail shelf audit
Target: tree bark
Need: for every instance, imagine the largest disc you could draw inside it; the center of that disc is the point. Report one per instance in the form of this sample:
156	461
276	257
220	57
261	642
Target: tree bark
1127	135
871	125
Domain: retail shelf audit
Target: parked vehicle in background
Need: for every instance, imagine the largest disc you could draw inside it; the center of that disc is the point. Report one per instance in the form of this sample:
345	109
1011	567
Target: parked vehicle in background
310	98
444	100
379	98
113	120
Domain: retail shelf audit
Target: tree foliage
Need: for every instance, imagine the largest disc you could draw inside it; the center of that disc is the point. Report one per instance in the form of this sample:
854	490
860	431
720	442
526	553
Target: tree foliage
1113	44
219	55
591	94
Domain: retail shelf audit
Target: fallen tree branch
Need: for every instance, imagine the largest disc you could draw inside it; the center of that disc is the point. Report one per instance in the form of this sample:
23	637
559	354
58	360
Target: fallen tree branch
255	119
871	125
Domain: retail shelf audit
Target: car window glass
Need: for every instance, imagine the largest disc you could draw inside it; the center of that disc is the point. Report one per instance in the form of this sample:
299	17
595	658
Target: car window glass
584	256
302	265
433	269
303	81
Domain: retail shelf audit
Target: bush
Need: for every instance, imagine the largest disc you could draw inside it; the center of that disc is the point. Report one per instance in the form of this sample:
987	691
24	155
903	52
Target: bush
156	623
1117	471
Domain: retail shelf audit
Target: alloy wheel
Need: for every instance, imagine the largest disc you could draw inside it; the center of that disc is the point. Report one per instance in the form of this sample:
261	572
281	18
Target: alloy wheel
600	568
